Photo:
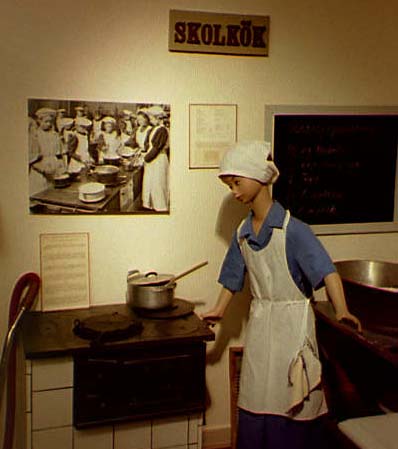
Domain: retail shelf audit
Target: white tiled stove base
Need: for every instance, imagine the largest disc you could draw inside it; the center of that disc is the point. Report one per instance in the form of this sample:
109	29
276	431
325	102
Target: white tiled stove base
160	434
49	418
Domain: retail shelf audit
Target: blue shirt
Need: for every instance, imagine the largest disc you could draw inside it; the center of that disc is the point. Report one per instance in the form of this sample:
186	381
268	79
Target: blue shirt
307	259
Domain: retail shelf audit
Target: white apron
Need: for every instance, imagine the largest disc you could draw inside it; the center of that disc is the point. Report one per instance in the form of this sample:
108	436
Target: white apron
82	151
281	372
155	183
48	145
141	136
96	130
113	144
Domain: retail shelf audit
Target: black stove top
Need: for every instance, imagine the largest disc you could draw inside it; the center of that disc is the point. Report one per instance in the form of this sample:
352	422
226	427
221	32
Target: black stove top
47	334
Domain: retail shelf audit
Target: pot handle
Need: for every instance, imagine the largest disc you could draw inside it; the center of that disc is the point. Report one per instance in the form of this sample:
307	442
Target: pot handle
132	273
151	273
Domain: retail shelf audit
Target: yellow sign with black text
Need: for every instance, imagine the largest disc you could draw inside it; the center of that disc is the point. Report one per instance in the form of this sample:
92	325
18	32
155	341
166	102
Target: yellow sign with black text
229	34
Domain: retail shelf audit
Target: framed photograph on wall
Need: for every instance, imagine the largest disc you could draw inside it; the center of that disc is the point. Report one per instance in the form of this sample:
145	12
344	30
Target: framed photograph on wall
94	157
212	129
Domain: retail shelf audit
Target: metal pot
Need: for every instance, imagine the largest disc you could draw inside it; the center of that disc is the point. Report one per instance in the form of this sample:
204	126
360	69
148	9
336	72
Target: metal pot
150	291
106	174
61	181
112	160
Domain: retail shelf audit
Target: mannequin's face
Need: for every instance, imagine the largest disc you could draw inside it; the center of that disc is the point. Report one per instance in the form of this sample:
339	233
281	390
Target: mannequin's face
243	189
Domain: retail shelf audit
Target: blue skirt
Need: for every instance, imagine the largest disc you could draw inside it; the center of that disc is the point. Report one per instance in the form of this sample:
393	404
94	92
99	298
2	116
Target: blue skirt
278	432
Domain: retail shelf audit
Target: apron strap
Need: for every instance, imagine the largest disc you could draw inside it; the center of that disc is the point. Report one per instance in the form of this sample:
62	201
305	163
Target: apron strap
240	240
286	220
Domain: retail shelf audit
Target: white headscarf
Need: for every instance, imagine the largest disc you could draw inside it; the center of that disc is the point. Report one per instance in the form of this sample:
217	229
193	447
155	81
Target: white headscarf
250	160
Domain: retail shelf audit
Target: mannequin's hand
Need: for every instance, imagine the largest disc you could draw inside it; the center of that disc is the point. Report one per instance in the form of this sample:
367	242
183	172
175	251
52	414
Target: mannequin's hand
350	319
212	317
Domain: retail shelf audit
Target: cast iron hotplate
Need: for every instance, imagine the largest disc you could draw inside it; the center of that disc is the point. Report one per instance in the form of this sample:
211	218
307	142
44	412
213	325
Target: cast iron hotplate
107	327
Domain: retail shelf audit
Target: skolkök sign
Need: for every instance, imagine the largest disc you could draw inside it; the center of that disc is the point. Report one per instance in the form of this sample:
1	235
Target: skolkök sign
230	34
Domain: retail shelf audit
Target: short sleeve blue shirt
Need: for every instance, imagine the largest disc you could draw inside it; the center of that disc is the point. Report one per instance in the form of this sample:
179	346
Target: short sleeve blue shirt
307	259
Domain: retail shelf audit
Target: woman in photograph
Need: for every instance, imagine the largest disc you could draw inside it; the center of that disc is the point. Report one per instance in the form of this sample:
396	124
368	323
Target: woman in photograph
127	119
80	157
96	129
141	133
61	113
155	184
45	151
68	138
109	142
124	136
79	112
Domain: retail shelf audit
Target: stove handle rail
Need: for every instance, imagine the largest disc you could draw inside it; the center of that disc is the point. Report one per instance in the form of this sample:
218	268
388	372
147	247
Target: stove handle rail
23	297
156	359
106	361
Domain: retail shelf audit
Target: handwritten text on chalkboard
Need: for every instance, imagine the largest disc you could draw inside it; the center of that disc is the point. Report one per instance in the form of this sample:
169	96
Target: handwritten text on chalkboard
337	168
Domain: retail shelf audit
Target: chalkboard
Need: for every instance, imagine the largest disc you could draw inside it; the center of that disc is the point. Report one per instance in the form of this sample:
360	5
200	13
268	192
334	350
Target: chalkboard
337	169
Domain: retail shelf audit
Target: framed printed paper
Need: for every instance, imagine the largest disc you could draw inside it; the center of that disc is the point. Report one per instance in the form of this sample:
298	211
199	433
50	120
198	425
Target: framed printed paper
212	130
65	271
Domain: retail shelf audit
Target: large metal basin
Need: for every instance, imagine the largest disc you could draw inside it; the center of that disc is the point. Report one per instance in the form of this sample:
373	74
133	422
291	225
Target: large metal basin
371	289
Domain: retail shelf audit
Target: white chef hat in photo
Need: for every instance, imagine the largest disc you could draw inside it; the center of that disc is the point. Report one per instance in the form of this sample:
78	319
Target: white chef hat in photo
66	121
108	119
82	121
156	111
45	112
127	112
250	159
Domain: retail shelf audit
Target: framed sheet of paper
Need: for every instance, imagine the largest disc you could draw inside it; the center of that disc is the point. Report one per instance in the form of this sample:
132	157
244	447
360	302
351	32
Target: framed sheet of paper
65	271
212	129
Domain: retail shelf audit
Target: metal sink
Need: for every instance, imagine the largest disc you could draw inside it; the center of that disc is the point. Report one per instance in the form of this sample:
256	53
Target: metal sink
371	289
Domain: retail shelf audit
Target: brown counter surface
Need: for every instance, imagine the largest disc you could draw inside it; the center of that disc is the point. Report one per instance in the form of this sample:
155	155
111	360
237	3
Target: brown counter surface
383	346
50	334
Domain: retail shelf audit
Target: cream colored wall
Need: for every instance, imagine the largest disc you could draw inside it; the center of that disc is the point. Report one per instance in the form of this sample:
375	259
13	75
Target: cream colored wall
341	53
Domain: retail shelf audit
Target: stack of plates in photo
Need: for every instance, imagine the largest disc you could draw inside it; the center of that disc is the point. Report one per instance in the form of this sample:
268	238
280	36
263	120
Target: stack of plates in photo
91	192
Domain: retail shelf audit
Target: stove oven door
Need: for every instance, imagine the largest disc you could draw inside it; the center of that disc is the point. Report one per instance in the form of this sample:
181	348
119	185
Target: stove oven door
138	384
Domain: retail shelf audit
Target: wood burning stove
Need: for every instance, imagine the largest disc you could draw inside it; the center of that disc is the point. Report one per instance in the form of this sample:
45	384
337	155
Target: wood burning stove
156	369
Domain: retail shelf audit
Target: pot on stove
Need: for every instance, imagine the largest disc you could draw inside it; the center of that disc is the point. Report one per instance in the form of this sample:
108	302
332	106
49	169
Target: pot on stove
149	291
152	290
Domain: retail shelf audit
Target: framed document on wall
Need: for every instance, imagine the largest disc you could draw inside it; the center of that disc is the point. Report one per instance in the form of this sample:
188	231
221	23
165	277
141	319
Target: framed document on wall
65	271
212	129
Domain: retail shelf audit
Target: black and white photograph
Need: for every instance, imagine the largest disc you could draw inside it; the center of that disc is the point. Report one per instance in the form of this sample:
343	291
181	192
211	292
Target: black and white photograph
93	157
